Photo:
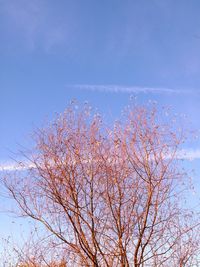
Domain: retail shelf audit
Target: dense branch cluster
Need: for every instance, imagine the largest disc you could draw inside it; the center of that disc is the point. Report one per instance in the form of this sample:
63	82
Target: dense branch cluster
108	197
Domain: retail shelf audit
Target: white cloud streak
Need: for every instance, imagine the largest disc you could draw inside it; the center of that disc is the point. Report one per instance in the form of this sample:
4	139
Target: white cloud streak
183	154
189	154
15	167
128	89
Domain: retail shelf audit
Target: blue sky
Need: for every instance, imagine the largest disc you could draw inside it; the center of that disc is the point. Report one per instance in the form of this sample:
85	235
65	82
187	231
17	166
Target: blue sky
96	51
47	47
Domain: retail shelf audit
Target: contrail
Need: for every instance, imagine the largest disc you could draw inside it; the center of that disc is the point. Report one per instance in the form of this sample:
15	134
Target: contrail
183	154
17	167
188	154
129	89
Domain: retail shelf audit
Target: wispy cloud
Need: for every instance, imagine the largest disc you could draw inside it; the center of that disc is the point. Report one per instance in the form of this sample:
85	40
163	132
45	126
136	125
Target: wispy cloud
183	154
15	167
33	24
189	154
129	89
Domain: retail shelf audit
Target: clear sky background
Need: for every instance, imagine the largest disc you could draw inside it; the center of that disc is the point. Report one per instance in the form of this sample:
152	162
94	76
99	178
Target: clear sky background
96	51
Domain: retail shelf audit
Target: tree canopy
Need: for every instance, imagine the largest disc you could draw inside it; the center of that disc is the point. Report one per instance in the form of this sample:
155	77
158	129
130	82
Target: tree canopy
108	196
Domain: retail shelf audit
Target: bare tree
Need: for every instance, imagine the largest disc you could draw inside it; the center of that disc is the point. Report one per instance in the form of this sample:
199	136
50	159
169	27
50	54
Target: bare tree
31	251
109	197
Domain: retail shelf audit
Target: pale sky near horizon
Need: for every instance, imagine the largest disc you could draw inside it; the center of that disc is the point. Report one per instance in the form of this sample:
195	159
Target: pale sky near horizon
97	51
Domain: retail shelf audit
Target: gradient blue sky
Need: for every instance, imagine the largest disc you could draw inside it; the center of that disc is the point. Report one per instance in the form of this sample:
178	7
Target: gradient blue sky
53	51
